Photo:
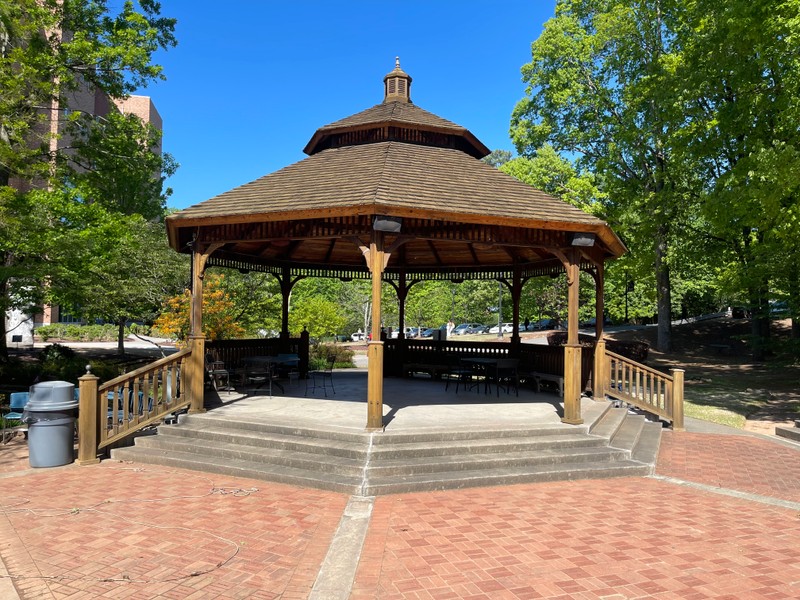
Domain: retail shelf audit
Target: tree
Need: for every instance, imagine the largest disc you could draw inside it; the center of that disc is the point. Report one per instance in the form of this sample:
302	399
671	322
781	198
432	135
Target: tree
114	162
219	313
594	91
740	134
52	48
49	50
123	272
257	301
497	158
320	317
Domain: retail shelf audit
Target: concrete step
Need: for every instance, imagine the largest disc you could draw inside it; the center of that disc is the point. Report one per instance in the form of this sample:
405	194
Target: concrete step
790	433
503	476
354	462
238	468
627	434
461	463
348	467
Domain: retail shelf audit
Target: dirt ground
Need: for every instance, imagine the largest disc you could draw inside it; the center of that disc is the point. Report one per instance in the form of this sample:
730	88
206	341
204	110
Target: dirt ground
723	383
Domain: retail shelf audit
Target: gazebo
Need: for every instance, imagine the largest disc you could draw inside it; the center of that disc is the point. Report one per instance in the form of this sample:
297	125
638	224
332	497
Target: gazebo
395	193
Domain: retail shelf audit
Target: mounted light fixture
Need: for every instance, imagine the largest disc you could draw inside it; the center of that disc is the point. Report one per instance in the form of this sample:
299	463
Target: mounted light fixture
387	224
583	239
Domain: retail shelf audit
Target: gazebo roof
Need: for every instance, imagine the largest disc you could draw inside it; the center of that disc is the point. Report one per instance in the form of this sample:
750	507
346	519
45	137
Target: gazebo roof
395	160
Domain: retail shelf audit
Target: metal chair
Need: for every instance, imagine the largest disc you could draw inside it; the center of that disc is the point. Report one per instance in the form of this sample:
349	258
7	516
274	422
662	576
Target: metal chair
17	403
217	373
461	372
325	375
506	375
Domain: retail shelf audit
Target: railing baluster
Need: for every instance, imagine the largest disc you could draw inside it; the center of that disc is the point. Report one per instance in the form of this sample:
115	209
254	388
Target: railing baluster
644	387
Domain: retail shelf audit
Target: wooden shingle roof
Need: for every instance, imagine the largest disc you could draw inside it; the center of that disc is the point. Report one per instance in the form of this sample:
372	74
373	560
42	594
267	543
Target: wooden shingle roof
393	159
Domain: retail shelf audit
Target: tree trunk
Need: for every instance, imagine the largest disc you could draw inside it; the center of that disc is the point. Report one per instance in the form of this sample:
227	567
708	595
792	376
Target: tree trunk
759	311
794	300
4	296
121	337
664	293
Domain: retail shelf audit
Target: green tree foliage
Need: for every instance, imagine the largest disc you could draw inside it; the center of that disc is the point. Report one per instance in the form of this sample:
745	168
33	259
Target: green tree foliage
548	171
50	51
740	136
257	301
113	164
319	316
119	269
497	158
594	91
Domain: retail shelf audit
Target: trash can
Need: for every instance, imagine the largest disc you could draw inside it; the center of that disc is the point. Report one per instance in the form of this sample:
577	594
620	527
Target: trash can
50	415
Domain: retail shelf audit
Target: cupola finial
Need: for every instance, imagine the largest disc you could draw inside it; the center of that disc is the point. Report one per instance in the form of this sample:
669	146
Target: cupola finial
397	85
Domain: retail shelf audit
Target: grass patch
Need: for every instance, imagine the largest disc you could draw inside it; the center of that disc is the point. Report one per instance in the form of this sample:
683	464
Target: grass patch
714	414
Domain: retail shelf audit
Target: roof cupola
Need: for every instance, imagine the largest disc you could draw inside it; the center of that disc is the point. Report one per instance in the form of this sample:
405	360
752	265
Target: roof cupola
397	85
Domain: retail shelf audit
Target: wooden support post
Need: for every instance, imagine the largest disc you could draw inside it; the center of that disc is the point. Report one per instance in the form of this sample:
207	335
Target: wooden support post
197	372
197	341
88	419
375	347
572	350
375	386
516	295
677	399
599	301
599	381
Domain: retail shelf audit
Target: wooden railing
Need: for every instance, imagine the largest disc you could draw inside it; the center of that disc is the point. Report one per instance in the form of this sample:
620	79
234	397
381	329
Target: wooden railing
643	387
126	404
532	357
233	352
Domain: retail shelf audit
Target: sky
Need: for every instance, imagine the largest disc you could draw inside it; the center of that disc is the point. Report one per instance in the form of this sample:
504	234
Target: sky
252	80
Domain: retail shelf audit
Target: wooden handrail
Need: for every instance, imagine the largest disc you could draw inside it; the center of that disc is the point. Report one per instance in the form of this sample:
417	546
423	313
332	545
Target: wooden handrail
126	404
644	387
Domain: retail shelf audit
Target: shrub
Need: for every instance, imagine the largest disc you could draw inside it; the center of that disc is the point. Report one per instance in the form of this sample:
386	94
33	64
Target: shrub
319	355
636	351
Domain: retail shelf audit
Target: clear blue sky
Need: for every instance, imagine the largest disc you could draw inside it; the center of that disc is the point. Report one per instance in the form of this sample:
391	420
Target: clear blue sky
251	81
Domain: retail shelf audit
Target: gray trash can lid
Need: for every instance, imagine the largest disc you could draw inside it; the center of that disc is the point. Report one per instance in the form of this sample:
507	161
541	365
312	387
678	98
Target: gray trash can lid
52	395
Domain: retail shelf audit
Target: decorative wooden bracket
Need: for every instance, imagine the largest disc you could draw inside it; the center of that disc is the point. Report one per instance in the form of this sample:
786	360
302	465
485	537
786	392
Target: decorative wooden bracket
203	257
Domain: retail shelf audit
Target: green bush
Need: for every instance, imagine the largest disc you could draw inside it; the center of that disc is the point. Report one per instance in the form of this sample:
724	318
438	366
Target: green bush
319	355
82	333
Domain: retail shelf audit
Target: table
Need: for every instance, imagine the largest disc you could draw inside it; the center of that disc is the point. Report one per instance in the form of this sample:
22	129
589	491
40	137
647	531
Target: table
495	370
261	369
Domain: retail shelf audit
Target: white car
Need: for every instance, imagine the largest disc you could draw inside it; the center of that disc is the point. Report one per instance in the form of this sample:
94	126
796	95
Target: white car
507	328
358	336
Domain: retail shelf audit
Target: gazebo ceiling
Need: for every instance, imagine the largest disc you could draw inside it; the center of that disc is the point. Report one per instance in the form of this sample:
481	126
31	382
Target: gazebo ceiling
393	160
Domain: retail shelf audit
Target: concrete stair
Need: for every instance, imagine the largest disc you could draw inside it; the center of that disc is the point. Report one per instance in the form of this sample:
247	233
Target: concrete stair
615	443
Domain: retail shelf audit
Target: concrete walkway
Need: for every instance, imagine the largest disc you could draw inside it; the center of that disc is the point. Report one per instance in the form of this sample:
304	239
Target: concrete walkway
718	520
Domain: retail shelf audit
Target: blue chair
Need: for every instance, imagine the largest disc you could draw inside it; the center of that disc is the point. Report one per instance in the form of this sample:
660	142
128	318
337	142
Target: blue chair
17	403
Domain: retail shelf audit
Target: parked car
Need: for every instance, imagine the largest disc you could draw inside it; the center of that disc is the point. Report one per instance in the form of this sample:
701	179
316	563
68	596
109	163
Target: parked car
358	336
549	324
480	329
465	328
506	328
427	333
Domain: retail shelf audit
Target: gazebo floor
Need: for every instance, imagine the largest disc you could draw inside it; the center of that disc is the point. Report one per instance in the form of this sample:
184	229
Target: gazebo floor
409	404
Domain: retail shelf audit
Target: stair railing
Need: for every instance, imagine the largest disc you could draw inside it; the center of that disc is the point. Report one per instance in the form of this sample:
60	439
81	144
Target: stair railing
126	404
646	388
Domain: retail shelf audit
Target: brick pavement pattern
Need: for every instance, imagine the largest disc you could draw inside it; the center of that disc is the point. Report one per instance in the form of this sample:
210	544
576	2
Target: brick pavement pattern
118	530
610	539
743	463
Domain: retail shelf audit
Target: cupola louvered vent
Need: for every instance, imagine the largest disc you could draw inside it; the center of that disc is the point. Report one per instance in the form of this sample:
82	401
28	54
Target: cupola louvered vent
397	85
